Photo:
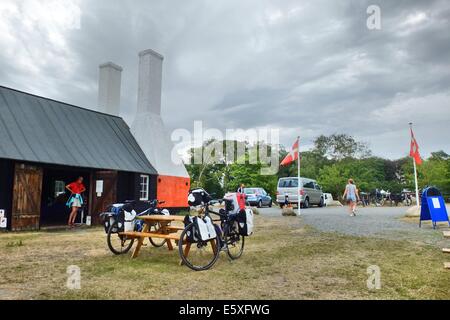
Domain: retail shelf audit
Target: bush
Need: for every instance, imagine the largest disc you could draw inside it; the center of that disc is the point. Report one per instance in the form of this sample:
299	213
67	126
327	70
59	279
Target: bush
288	211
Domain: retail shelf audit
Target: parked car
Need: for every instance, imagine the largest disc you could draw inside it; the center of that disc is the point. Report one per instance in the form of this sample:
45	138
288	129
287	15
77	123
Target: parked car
310	192
258	197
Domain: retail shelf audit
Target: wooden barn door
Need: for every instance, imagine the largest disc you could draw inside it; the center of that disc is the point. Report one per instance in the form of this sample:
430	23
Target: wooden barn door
27	190
108	194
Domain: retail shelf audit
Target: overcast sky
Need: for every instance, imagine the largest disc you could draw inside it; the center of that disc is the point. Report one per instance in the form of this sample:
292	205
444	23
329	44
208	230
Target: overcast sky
306	67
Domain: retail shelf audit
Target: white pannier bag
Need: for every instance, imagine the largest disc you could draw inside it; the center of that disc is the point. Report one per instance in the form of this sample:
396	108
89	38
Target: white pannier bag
205	228
129	220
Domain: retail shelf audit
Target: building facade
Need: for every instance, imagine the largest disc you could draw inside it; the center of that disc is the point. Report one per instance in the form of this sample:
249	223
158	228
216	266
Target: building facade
46	144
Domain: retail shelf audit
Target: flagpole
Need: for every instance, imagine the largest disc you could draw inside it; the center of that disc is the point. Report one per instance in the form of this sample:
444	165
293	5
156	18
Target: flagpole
298	177
417	184
415	175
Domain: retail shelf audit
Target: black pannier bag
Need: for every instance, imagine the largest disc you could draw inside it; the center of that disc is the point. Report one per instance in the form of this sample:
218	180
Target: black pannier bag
120	222
245	222
112	214
191	234
229	205
198	197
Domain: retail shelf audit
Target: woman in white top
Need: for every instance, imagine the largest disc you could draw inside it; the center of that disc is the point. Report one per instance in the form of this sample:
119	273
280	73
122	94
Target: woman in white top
351	195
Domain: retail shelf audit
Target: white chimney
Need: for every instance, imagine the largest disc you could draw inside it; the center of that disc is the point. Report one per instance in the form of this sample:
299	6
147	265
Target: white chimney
150	79
109	83
148	127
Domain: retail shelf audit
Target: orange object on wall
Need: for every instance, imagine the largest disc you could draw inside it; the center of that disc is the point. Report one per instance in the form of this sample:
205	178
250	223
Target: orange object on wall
173	190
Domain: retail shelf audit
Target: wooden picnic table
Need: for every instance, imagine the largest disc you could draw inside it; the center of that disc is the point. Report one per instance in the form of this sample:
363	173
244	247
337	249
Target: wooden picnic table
164	231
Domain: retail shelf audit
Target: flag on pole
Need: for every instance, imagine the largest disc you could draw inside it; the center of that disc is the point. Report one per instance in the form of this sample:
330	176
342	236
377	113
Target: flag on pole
292	155
414	152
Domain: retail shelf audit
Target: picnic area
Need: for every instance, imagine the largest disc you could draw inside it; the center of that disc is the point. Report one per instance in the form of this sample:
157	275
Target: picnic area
286	258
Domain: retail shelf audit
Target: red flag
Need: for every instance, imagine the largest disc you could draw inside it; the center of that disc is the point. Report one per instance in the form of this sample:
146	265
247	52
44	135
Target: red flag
414	152
293	155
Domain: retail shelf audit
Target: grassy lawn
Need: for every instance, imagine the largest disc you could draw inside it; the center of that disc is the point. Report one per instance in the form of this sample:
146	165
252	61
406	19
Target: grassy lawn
283	260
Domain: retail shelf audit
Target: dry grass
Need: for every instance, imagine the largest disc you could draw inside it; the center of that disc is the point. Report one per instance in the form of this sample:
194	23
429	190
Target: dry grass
283	260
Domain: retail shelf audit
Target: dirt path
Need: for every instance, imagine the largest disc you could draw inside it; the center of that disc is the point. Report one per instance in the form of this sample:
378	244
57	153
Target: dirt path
384	222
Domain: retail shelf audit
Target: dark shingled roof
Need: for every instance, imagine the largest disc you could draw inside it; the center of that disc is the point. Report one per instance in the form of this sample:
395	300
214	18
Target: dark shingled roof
42	130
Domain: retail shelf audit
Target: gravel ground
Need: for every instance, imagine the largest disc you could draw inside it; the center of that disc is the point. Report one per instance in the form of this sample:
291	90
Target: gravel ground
384	222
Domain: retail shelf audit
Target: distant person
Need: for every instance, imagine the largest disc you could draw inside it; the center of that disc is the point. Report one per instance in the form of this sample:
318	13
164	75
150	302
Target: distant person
242	199
286	200
75	200
351	195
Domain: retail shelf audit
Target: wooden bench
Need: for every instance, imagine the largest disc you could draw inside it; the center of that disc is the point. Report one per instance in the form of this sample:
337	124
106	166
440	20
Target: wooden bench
164	230
446	250
447	234
135	234
174	228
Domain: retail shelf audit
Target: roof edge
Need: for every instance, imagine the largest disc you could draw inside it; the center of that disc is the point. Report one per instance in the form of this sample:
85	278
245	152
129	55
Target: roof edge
62	102
77	166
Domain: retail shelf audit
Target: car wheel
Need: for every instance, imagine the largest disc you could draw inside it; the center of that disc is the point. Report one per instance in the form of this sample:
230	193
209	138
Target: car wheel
306	203
321	203
259	204
270	204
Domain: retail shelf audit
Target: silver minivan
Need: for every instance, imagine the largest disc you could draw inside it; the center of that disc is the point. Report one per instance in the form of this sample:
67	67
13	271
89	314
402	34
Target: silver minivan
310	192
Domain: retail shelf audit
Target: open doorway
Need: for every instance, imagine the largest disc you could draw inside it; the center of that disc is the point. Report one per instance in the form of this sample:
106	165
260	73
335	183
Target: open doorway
54	211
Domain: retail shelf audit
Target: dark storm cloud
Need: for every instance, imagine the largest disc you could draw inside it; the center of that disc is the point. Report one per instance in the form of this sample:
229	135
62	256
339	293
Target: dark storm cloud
308	68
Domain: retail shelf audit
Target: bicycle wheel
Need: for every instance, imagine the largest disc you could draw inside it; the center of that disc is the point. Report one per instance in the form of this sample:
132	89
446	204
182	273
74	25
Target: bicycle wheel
199	255
118	244
235	243
156	242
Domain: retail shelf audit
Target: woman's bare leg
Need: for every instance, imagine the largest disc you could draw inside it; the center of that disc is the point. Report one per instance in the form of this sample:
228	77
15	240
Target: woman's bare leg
75	212
69	222
73	215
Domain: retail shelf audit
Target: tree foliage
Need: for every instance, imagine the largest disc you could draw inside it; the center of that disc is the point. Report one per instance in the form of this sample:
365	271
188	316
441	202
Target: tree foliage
340	146
332	161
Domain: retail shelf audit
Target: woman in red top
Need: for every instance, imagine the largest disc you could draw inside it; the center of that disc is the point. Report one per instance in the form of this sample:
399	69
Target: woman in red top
76	200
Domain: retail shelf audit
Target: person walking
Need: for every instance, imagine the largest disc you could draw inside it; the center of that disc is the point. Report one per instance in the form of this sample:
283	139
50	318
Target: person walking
351	195
75	200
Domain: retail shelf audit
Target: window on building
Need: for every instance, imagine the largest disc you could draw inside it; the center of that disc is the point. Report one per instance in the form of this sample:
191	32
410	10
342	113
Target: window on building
144	184
60	188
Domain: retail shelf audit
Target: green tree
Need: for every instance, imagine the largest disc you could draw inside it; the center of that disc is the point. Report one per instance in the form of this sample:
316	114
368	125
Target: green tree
333	179
340	146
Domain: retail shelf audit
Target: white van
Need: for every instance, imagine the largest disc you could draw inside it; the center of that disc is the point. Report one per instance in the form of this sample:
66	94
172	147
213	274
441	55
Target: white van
310	192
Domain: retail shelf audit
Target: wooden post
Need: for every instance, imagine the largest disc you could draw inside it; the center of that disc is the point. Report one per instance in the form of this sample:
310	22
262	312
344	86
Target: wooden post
140	241
91	194
186	250
213	245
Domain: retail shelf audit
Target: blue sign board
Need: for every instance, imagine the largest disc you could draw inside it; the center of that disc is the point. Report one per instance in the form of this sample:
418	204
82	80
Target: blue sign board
433	207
